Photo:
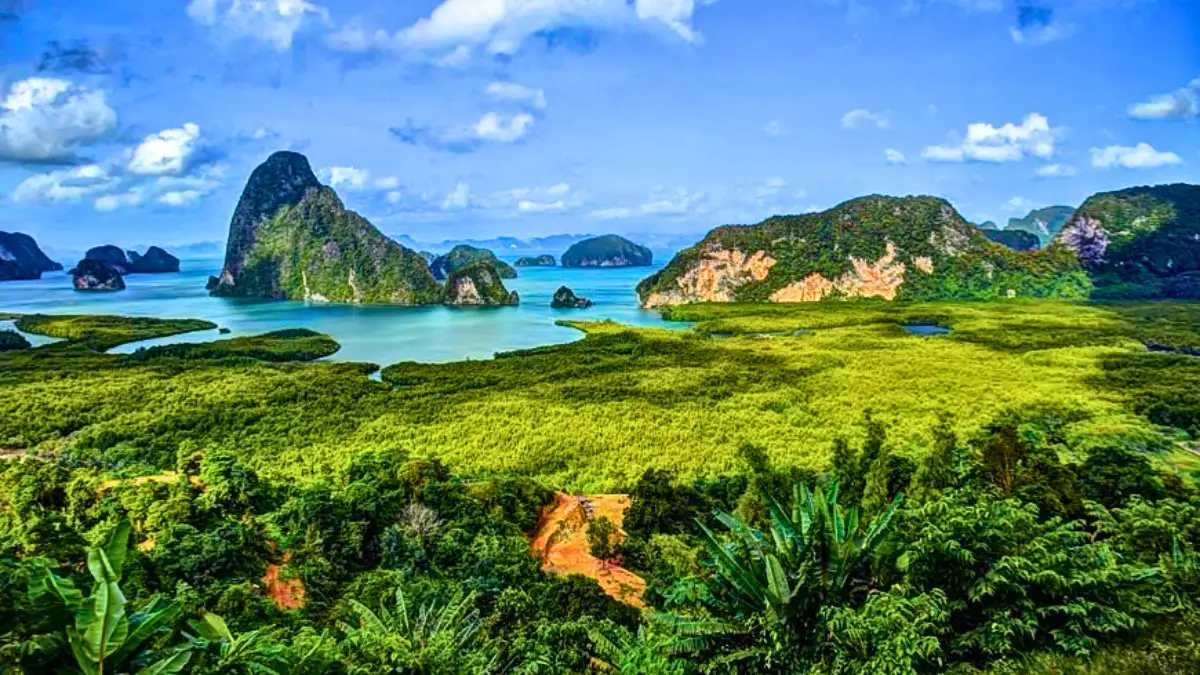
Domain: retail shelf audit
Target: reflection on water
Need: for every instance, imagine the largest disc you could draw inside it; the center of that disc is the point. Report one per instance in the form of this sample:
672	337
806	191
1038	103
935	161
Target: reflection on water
367	333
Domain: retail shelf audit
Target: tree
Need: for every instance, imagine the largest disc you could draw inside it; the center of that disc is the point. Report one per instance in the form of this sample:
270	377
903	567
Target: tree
603	538
938	469
102	638
1111	475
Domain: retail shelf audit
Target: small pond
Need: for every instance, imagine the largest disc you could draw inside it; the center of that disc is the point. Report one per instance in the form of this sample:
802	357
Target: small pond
926	329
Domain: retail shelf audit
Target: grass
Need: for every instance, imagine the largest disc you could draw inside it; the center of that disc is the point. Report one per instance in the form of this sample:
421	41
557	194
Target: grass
593	415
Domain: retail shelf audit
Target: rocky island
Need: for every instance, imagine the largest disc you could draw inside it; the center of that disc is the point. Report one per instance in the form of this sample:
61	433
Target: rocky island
1017	240
609	250
477	284
95	274
536	261
565	298
1043	223
111	255
154	261
869	247
443	266
21	258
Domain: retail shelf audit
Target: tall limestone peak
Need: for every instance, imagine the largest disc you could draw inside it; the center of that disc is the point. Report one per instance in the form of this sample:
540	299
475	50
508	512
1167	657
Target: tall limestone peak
292	238
873	246
280	181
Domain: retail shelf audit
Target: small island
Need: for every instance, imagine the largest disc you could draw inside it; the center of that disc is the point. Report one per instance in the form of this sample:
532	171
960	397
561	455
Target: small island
92	274
609	250
462	255
477	284
565	298
154	261
21	258
536	261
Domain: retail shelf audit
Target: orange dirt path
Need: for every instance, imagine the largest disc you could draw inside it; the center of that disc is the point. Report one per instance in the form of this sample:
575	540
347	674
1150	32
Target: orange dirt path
164	477
286	593
562	546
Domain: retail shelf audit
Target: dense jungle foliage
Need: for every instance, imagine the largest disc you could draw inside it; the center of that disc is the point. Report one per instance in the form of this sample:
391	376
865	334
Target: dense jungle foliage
813	490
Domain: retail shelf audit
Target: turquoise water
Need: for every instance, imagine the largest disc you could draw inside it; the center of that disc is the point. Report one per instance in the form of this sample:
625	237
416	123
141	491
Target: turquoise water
381	335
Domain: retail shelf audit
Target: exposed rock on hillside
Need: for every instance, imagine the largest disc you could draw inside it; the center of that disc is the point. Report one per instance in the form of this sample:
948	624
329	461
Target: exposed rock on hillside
291	238
565	298
607	251
536	261
1139	242
883	247
113	255
462	255
93	274
21	258
477	284
155	261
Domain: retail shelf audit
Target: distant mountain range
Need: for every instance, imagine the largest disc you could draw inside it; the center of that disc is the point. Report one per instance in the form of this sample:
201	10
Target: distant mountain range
554	244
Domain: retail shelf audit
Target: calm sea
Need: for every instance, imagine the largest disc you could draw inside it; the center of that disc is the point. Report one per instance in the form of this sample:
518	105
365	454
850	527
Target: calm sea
377	334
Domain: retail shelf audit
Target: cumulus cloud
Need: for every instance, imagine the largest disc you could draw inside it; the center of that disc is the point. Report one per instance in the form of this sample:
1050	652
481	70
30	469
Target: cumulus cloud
1183	104
861	117
661	201
510	91
460	198
1140	156
1008	143
354	178
66	185
557	197
773	128
274	22
1055	171
491	128
457	27
169	151
49	120
1018	205
132	197
894	157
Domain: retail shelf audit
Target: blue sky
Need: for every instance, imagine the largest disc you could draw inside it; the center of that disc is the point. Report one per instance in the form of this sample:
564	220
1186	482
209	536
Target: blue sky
135	122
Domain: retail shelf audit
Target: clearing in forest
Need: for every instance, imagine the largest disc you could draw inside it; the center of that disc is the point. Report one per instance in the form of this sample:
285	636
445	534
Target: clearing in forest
561	544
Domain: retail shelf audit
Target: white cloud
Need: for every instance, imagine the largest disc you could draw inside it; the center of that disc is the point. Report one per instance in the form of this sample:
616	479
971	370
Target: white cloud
354	178
660	202
773	128
1140	156
113	202
1040	34
529	206
1055	171
272	21
1008	143
459	199
510	91
1018	205
615	213
46	120
456	27
1181	105
861	117
166	152
500	129
894	157
66	185
180	198
557	197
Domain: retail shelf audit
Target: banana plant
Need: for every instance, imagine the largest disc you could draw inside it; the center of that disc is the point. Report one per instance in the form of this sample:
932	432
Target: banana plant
250	653
102	638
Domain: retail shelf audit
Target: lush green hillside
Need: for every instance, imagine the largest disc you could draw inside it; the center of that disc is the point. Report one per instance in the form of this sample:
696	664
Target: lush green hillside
893	248
462	255
1140	242
609	250
1026	478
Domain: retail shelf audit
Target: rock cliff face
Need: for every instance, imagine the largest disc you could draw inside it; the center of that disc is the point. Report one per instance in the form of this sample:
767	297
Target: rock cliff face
477	284
462	255
20	258
155	261
113	255
291	238
1142	242
565	298
536	261
882	247
607	251
1042	223
94	274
